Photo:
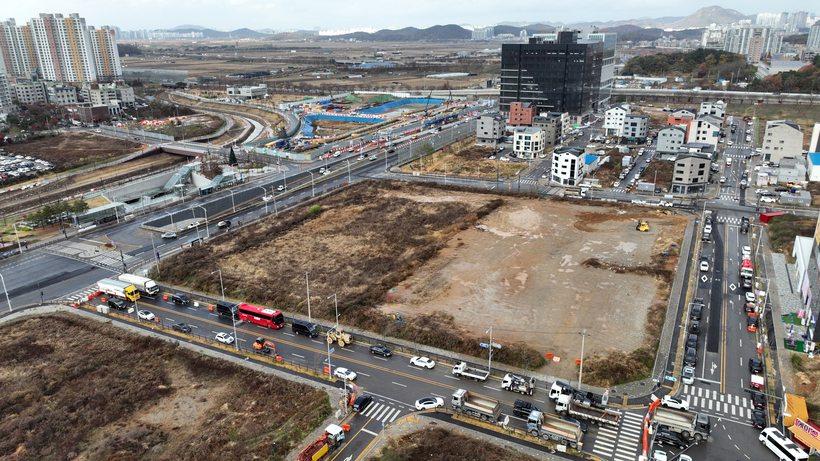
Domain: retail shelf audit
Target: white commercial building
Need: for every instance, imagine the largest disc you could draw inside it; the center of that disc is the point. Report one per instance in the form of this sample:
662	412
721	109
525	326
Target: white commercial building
782	138
528	142
490	128
5	94
636	127
716	109
61	95
614	119
670	139
33	93
248	92
706	130
568	165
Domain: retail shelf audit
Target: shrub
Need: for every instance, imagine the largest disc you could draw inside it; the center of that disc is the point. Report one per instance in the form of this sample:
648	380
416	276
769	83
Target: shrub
315	209
797	362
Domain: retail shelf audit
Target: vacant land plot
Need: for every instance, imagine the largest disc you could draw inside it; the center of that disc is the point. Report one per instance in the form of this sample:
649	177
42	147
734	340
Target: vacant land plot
538	271
71	150
444	445
326	127
541	272
78	388
805	116
465	158
273	119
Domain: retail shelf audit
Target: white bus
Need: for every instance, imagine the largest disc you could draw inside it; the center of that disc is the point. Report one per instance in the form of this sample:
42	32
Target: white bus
784	448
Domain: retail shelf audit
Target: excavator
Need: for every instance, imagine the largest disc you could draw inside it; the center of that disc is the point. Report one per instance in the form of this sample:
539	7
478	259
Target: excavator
263	346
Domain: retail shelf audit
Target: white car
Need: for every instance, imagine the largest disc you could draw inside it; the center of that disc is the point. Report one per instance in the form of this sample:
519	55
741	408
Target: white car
766	199
169	235
280	188
428	403
730	143
361	157
722	179
746	252
146	315
193	225
750	296
707	229
224	338
337	153
616	184
344	373
704	266
674	402
505	159
688	375
422	362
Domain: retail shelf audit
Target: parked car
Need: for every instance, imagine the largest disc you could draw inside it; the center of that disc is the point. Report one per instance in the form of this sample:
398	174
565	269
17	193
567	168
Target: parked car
750	296
193	225
692	341
146	315
688	375
697	309
755	365
181	327
117	304
759	419
429	403
691	357
758	400
751	323
422	362
381	350
704	264
767	199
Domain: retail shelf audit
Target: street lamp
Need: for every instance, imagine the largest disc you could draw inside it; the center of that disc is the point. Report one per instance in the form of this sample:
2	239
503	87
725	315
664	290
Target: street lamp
233	204
348	170
490	363
335	302
581	369
19	247
307	284
233	319
6	291
312	192
265	193
285	179
206	218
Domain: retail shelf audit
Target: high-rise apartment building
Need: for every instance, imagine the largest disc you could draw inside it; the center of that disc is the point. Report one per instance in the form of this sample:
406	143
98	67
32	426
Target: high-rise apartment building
555	75
752	41
813	42
60	49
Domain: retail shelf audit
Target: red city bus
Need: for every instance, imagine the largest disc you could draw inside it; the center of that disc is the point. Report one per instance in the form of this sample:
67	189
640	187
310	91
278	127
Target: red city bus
261	316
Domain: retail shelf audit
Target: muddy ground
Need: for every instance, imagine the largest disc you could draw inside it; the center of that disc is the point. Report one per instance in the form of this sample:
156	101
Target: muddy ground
465	158
521	273
71	150
324	127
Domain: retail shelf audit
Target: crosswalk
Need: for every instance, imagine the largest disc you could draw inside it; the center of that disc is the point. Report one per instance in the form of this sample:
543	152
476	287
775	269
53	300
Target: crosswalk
385	413
729	197
728	220
711	402
87	253
79	295
623	443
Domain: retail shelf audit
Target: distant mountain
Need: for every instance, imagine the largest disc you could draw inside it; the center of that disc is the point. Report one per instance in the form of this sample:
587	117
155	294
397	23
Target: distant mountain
188	26
210	33
630	33
412	34
530	28
705	16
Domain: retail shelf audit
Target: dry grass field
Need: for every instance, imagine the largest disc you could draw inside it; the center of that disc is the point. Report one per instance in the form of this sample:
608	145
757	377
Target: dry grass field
465	158
75	388
445	445
72	150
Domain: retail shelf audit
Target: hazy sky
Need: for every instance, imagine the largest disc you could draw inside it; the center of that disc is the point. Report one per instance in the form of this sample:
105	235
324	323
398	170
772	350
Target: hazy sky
341	14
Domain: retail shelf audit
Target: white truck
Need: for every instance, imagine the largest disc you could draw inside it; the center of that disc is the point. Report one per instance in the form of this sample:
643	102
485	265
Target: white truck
119	289
144	285
461	369
566	405
692	426
540	424
465	402
520	384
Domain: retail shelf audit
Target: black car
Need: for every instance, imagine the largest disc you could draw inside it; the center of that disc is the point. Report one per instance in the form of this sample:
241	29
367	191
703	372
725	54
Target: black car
694	327
117	304
759	400
755	365
580	423
180	300
692	341
747	283
362	402
781	189
670	438
691	357
759	419
697	311
522	409
381	350
181	327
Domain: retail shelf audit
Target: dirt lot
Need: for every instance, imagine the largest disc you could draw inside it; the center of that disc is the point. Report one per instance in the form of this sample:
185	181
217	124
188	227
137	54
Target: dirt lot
71	150
273	119
413	248
325	127
466	159
66	375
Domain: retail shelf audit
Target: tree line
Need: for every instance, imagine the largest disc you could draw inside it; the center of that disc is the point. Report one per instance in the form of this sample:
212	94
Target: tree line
56	212
804	80
698	62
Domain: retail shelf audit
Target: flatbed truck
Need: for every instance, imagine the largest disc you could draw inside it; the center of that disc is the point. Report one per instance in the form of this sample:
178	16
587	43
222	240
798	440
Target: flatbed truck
477	374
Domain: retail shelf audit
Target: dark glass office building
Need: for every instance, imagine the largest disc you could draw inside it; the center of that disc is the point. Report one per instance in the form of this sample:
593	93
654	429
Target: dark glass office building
557	75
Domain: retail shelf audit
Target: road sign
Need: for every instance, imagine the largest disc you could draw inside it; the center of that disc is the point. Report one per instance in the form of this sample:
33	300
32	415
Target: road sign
670	378
484	345
331	351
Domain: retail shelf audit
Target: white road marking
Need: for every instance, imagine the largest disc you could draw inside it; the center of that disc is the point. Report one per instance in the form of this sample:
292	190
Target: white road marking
399	384
297	355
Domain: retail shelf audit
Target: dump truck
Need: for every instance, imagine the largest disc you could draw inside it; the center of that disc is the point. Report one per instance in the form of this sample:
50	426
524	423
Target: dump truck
481	407
578	409
692	426
144	285
332	439
119	289
264	347
520	384
548	427
477	374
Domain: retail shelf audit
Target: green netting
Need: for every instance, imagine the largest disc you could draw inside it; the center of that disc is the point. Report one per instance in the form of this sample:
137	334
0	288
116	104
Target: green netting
352	98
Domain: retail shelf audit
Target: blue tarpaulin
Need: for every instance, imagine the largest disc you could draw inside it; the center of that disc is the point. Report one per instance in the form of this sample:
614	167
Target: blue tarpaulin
402	102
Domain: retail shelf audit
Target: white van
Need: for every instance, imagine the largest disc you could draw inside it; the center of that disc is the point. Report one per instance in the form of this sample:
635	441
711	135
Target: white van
782	447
